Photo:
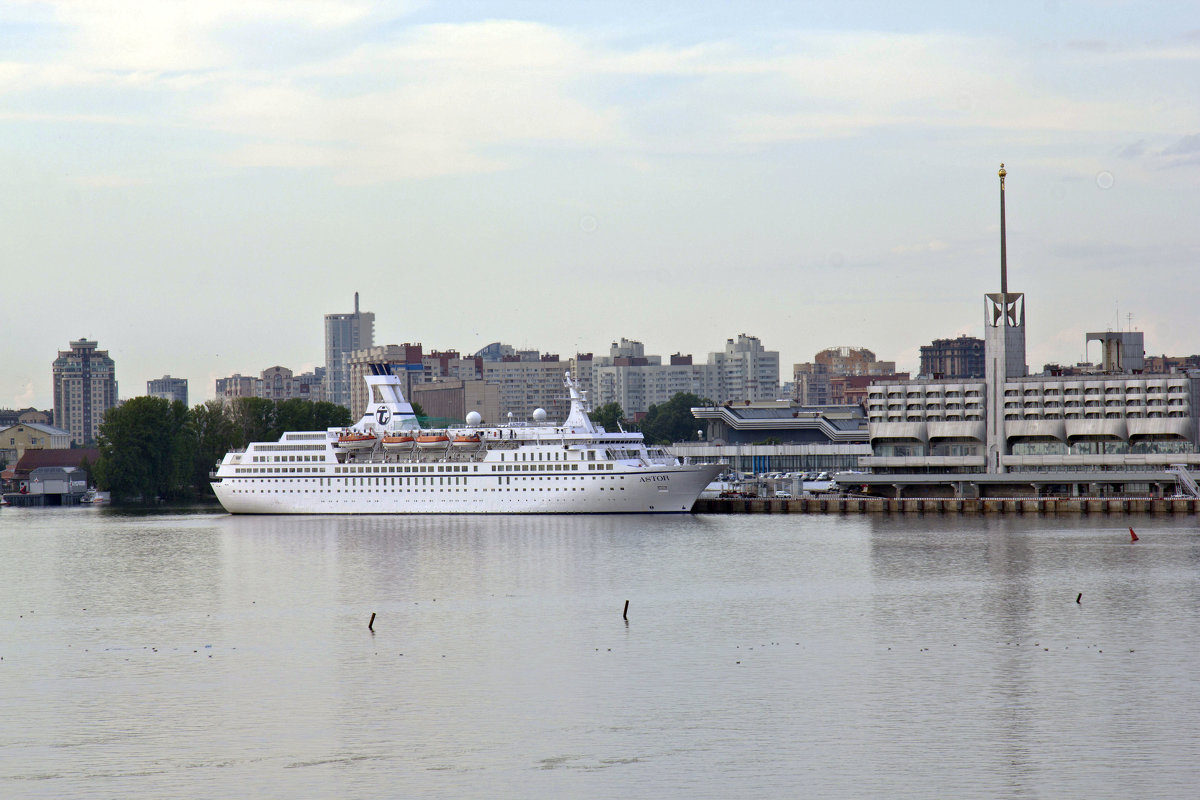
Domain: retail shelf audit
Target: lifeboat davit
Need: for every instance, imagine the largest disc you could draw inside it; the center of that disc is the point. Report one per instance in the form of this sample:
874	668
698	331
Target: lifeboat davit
357	441
466	439
427	440
398	441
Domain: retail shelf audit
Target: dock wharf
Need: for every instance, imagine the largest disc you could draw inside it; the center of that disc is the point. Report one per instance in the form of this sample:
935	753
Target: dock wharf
949	505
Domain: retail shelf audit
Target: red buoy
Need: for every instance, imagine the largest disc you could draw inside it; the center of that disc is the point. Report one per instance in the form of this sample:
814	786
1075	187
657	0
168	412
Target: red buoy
1132	535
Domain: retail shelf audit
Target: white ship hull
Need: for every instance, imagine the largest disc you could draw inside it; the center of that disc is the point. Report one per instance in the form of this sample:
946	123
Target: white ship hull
662	490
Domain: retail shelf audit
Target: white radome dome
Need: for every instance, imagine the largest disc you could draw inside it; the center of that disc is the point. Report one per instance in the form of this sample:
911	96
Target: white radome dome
539	415
474	418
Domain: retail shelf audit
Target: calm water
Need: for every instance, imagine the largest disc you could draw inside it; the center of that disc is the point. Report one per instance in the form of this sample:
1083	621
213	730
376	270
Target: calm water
202	655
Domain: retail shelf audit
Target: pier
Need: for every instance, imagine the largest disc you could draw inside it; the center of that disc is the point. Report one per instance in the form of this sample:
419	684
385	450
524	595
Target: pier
948	505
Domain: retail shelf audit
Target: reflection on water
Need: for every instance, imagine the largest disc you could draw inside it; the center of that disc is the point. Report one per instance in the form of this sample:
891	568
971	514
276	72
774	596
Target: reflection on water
183	655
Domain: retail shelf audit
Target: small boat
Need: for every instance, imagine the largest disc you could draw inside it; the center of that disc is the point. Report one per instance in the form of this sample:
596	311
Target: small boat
465	440
357	441
398	441
427	440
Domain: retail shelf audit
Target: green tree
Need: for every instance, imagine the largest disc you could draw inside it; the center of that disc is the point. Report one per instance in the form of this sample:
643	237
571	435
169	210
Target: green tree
329	415
254	420
142	444
608	415
305	415
672	421
213	434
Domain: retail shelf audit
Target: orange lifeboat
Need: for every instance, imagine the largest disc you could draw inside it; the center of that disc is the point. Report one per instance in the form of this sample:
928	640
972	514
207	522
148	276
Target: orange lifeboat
398	441
466	439
427	440
356	441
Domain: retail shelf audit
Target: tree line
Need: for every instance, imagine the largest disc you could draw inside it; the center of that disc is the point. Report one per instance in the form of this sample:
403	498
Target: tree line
151	448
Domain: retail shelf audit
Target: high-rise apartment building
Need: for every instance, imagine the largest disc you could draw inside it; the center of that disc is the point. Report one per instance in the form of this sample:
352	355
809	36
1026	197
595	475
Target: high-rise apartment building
743	371
636	381
274	383
528	382
168	388
953	358
85	386
345	333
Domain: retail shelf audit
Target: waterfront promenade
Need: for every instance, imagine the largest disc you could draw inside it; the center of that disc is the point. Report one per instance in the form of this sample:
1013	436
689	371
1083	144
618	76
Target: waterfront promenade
949	505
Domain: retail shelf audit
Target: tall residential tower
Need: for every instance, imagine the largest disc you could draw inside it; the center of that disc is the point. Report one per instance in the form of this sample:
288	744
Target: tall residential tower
345	333
85	386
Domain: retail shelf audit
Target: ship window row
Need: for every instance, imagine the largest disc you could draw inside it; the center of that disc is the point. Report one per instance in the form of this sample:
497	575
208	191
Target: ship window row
397	468
514	489
390	470
275	448
538	467
434	480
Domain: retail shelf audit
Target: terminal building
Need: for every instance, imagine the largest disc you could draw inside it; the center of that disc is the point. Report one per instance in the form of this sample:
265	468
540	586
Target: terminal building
778	436
1120	431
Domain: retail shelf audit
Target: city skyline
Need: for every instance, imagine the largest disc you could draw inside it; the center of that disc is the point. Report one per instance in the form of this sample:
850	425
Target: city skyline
559	177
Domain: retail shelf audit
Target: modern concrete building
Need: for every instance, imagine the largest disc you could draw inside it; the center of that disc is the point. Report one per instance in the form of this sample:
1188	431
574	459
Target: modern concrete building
168	388
960	358
1013	434
779	436
85	386
1120	351
345	334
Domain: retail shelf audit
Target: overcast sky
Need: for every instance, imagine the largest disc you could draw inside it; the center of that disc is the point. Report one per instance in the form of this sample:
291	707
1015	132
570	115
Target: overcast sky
194	184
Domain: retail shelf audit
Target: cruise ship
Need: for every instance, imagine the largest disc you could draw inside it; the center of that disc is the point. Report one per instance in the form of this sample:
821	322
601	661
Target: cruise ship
388	464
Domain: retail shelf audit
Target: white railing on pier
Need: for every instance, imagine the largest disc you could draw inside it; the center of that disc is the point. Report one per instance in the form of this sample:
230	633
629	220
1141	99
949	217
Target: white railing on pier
1184	480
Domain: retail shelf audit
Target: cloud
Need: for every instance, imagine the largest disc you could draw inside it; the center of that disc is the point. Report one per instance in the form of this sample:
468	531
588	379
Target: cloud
25	397
1187	146
366	98
107	181
172	35
931	246
441	101
1184	152
1133	149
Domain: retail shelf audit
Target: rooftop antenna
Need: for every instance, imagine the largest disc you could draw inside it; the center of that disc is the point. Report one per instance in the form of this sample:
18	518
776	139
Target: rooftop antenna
356	293
1003	238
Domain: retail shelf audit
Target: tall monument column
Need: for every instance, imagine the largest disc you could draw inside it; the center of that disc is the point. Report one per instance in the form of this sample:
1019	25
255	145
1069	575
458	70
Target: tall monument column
1004	347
